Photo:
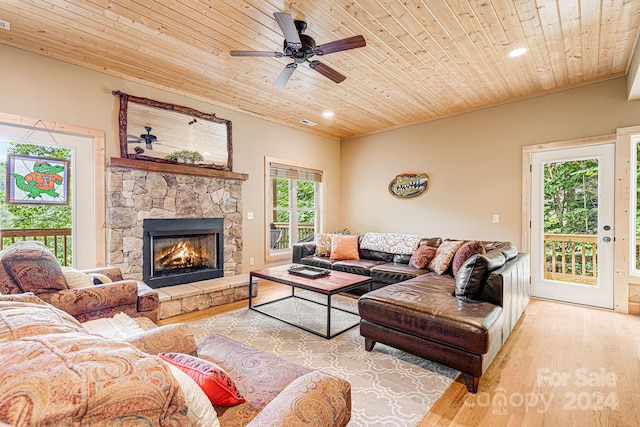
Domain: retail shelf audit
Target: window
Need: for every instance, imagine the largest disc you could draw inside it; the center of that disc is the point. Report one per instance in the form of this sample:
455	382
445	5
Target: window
85	148
635	204
293	205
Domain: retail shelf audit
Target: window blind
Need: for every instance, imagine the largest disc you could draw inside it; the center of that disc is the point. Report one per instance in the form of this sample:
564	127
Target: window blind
290	172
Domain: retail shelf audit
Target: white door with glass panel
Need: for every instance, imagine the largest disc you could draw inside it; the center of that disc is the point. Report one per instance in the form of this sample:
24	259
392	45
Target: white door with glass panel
572	225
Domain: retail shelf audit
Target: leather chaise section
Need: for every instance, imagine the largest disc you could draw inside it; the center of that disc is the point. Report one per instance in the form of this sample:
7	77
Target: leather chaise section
428	310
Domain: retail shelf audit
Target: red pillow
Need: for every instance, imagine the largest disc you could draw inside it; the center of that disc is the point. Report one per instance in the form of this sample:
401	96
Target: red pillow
464	253
212	379
422	256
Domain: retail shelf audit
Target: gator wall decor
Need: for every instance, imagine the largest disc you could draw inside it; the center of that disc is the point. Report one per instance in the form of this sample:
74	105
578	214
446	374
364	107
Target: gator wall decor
37	180
408	185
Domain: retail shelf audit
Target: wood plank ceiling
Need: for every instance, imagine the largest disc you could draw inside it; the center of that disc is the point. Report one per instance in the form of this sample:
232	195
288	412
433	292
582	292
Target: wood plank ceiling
423	59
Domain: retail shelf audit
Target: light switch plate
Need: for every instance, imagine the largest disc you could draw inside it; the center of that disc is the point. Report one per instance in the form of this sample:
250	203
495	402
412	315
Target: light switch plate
249	215
495	218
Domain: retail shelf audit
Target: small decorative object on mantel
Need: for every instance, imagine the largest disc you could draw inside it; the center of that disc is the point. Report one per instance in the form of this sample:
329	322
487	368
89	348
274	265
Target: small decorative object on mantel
408	185
185	156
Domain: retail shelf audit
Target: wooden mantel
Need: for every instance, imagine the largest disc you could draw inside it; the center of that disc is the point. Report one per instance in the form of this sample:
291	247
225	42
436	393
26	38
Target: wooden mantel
177	169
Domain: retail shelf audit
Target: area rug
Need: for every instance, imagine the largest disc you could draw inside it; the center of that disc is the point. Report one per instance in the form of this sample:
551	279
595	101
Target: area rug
389	387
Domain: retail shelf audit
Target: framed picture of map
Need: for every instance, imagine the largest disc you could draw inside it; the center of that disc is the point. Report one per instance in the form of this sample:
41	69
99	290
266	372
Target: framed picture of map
37	180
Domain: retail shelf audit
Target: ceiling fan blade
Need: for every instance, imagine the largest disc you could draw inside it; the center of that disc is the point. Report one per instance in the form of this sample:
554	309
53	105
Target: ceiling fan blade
167	145
327	71
340	45
284	76
285	21
131	139
255	53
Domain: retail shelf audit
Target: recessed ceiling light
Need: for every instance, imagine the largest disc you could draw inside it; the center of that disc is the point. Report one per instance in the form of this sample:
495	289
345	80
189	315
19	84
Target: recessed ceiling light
328	114
517	52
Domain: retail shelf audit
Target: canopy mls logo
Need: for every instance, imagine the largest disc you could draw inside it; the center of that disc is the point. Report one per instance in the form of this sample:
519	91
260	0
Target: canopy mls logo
5	25
408	185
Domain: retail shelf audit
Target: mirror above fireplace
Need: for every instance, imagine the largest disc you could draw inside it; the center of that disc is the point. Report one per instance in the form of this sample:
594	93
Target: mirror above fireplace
167	133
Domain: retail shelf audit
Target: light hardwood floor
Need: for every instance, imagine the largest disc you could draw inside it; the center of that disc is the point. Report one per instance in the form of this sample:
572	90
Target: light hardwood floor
563	365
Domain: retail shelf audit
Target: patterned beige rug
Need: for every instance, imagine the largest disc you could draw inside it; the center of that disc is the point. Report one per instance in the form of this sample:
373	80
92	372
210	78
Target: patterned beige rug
389	387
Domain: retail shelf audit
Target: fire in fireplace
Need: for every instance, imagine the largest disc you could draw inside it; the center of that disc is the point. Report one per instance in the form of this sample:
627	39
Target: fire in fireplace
182	250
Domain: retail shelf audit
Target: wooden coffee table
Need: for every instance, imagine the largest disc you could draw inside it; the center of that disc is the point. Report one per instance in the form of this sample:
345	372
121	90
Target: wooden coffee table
332	284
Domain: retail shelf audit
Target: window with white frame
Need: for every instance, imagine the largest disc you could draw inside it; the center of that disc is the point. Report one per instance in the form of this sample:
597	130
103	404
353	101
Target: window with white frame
635	206
293	205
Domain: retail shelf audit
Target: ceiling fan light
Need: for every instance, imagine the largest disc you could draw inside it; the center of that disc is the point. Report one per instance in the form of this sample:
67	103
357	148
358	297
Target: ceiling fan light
517	52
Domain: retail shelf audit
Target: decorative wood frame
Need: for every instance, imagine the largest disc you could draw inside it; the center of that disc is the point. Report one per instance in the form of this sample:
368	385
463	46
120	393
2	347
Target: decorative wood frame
189	113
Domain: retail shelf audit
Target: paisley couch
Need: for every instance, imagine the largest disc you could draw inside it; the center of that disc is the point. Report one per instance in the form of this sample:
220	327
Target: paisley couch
57	371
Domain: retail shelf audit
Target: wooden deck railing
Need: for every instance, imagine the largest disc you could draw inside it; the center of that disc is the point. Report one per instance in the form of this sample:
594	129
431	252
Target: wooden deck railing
58	240
571	258
304	230
568	257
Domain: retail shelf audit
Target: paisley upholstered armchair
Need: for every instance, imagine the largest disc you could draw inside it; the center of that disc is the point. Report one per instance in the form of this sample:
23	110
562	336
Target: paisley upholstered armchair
30	267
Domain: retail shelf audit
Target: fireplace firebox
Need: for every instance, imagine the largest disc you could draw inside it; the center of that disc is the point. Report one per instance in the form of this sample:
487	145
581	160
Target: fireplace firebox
182	250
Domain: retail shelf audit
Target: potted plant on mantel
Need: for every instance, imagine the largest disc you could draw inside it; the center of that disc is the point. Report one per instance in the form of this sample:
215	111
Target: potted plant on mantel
185	156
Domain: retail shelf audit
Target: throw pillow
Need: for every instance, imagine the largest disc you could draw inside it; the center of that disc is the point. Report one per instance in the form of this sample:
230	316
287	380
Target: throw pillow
430	241
33	267
120	327
76	279
323	245
463	254
199	409
344	247
99	279
175	338
471	277
214	381
444	255
422	256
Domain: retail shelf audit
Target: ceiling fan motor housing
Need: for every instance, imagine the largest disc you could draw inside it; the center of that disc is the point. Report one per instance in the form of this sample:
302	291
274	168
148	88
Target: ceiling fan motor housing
308	45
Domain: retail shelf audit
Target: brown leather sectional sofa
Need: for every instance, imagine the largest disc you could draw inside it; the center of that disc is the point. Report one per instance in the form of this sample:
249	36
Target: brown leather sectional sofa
417	310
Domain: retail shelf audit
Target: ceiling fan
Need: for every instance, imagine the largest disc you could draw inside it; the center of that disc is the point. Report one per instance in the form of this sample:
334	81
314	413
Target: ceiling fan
147	138
301	47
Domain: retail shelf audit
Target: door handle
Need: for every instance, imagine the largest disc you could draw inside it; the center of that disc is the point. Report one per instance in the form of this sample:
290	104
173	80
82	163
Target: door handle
606	239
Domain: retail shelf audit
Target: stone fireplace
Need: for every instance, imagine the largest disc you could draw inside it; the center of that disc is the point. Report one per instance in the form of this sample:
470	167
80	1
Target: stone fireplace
139	191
